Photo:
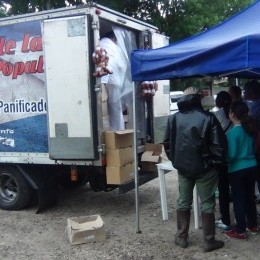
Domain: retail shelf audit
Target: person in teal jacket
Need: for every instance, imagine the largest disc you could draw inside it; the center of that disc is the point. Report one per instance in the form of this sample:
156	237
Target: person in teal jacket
242	170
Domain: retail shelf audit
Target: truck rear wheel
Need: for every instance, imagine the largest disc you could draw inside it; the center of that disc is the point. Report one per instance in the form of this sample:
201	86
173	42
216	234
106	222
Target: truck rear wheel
15	191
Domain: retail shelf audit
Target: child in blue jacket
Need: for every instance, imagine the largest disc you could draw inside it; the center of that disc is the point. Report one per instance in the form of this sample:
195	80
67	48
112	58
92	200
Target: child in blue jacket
242	170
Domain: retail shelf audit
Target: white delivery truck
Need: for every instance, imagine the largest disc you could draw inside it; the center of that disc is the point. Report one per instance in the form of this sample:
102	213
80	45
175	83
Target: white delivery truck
52	122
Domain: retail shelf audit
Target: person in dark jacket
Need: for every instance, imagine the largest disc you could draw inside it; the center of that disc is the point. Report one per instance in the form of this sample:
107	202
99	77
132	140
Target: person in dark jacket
223	102
196	142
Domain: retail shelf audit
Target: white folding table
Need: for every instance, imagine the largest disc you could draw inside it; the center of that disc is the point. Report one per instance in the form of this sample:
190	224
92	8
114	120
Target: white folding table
162	169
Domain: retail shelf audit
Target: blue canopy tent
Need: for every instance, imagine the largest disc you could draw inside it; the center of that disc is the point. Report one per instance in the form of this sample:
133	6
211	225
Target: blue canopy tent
231	48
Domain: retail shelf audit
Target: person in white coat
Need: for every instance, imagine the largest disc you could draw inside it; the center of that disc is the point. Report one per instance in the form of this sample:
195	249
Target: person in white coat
114	82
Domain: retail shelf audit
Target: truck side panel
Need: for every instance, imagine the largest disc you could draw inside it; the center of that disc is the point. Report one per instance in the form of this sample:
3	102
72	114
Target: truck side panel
23	121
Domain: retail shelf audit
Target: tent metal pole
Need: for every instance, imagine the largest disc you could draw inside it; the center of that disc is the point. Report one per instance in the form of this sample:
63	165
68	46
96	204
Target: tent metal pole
137	224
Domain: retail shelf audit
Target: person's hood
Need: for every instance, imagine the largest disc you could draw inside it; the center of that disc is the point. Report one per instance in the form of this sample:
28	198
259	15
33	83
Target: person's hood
189	102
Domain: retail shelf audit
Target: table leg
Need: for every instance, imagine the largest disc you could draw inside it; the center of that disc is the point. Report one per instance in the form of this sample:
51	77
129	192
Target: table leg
163	194
196	207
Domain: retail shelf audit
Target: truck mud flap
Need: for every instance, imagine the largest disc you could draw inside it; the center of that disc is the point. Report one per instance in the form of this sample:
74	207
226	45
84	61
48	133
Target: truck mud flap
46	186
47	196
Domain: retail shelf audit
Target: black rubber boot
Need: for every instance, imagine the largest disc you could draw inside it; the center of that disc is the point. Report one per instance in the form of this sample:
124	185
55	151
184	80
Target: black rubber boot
208	227
183	224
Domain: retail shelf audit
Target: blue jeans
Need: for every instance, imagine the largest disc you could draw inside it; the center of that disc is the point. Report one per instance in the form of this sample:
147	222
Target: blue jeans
206	187
242	184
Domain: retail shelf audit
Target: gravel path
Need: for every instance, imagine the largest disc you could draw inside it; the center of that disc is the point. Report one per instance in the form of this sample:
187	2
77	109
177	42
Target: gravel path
25	235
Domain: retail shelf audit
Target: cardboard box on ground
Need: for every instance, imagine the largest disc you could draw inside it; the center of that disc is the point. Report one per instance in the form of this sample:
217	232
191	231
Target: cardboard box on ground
85	229
154	154
119	156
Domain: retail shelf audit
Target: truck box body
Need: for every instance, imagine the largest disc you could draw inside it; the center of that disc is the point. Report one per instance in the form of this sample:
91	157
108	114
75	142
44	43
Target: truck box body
50	103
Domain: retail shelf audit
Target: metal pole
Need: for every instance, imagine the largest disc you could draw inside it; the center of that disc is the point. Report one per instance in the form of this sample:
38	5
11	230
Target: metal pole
137	224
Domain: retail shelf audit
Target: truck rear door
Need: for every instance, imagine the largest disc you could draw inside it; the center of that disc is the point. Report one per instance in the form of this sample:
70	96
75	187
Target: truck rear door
69	93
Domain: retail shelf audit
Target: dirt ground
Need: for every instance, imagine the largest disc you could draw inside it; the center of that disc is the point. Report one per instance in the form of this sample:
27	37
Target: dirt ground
26	235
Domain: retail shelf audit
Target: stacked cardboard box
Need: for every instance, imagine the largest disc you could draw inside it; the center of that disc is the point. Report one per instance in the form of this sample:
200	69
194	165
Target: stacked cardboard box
119	156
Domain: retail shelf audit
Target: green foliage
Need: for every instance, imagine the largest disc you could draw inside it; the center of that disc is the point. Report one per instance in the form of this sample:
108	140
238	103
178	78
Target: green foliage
30	6
183	18
128	7
182	84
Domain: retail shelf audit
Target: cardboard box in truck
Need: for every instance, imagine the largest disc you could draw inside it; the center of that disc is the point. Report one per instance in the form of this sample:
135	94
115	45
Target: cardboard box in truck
119	139
120	174
119	157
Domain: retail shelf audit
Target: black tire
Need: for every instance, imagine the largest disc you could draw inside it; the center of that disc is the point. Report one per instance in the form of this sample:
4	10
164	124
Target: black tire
15	191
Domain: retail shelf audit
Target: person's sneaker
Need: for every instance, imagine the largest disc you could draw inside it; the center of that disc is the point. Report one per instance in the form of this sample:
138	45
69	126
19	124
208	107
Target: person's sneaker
219	224
234	234
253	230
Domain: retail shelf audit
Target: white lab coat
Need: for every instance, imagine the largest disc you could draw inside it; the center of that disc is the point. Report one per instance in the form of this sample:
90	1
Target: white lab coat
114	82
